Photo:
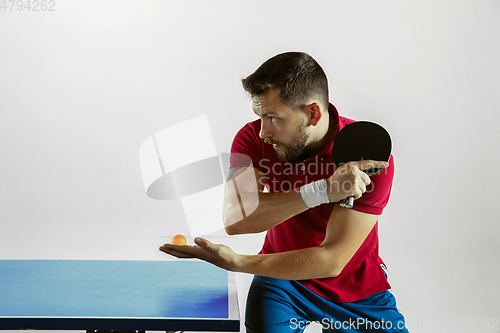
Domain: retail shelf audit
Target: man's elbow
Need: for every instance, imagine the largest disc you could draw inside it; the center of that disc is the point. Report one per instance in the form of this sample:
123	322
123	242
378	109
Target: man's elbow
237	221
230	230
230	220
239	227
333	269
333	262
334	272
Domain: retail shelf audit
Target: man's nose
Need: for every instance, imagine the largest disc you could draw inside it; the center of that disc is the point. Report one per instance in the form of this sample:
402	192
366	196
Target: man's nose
264	132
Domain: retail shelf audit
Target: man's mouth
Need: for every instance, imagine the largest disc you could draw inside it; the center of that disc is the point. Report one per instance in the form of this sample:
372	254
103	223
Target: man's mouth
274	144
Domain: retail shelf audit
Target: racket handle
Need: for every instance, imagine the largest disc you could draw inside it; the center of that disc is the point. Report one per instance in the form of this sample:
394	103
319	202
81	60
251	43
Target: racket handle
347	202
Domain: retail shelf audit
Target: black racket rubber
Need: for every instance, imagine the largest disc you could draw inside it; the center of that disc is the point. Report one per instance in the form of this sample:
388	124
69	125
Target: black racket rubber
362	140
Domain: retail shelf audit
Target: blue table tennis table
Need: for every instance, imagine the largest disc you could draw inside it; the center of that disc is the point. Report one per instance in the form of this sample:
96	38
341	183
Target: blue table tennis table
103	295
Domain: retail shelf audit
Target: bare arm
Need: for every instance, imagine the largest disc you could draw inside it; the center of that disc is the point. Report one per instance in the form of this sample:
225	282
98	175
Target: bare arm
247	209
346	231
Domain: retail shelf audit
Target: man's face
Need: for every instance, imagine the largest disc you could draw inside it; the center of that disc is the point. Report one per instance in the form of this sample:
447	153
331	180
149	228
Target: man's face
281	126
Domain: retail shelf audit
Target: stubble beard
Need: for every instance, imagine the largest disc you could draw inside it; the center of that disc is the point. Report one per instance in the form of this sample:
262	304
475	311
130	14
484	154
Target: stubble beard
294	150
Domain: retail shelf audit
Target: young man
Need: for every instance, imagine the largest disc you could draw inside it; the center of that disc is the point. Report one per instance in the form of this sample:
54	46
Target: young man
319	261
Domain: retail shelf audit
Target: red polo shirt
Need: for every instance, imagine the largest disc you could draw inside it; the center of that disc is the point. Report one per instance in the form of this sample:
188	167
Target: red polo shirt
363	275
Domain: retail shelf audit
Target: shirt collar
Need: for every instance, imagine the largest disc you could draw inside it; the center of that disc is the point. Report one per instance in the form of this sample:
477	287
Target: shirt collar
328	149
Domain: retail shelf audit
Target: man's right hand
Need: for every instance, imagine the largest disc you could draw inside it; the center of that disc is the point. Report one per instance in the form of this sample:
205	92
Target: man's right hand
349	179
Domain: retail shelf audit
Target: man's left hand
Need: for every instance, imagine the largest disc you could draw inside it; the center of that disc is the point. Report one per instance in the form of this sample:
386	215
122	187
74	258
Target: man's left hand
217	254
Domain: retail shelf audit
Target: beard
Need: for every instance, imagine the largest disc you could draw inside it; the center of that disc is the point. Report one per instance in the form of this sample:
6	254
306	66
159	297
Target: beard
291	152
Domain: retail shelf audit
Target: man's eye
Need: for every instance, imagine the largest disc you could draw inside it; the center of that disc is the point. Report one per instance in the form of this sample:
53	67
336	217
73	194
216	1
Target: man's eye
273	119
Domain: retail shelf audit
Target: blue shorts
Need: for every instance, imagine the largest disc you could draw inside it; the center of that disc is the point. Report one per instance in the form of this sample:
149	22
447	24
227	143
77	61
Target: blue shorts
276	306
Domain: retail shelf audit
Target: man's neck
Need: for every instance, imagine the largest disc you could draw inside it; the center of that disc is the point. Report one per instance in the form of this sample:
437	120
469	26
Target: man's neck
317	147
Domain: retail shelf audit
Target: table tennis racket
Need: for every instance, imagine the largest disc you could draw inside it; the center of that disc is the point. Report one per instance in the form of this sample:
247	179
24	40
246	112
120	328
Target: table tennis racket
362	140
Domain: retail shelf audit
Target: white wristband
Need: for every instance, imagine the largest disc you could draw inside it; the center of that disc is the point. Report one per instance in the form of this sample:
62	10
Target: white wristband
315	193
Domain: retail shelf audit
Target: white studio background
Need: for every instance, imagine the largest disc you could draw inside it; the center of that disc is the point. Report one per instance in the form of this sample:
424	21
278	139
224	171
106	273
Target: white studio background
83	86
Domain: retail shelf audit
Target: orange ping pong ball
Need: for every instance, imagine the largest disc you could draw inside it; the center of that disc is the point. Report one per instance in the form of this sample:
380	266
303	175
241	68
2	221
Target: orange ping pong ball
179	240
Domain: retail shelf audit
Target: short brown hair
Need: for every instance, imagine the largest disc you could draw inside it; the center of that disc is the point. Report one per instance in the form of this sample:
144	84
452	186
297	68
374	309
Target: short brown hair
295	75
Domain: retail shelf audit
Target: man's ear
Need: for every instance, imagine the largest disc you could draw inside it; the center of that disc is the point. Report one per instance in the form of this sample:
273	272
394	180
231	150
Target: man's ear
314	113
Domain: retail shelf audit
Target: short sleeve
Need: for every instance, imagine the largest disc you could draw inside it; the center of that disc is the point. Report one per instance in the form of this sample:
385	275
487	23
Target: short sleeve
377	194
247	147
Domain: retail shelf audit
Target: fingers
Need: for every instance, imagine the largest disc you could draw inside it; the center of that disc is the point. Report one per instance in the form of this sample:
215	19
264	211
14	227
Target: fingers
370	164
179	251
349	179
206	245
365	180
360	186
202	242
187	251
358	180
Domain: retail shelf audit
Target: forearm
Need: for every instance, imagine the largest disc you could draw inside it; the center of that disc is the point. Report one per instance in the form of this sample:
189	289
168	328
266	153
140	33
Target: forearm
304	264
270	210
